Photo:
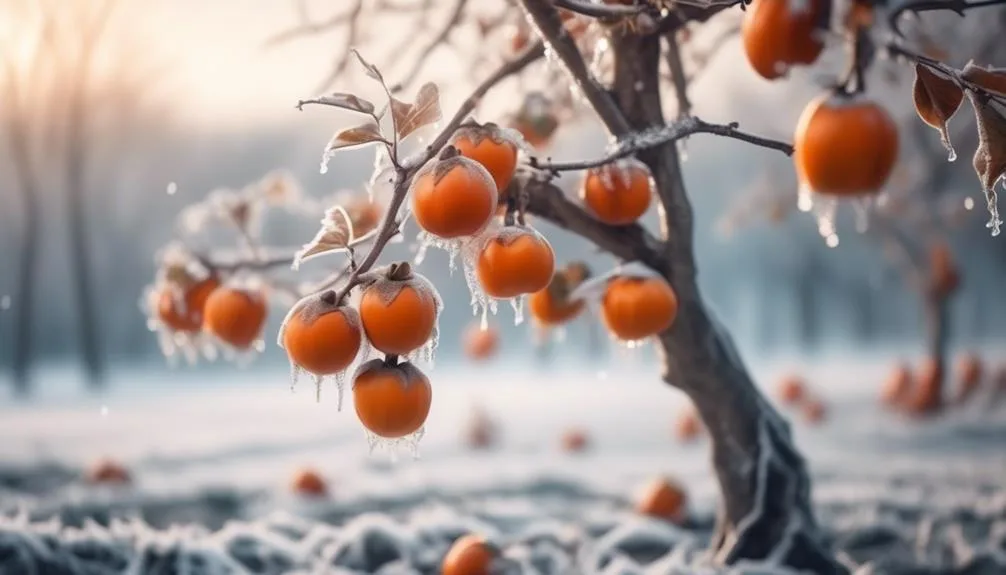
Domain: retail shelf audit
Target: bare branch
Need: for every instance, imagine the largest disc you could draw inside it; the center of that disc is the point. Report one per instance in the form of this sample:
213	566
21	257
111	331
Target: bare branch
678	80
352	36
452	22
949	71
662	135
546	19
917	6
600	10
308	28
683	14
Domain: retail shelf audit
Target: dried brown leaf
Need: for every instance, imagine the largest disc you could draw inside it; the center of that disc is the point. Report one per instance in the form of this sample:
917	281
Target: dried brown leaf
364	134
341	100
371	70
990	157
937	99
335	235
410	117
990	79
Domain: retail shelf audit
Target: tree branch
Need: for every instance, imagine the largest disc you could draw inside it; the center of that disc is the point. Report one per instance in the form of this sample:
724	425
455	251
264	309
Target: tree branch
452	22
601	10
954	74
662	135
683	14
352	35
917	6
546	18
678	80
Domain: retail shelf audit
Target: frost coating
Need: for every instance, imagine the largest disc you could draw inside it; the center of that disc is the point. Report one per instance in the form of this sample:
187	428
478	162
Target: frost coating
472	251
387	289
407	374
477	134
618	174
593	288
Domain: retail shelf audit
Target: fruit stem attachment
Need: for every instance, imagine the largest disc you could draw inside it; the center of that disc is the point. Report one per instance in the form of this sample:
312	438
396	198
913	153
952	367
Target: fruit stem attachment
329	297
853	80
399	271
448	152
390	360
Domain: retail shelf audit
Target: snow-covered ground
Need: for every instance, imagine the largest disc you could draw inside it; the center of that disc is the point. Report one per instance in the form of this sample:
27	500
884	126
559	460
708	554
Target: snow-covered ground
212	453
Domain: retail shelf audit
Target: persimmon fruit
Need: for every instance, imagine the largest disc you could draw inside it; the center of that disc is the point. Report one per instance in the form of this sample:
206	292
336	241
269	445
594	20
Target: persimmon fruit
814	410
392	401
489	146
552	305
969	375
792	390
480	343
185	314
664	499
897	386
618	193
399	310
635	308
108	472
927	394
235	316
776	35
688	426
320	336
469	555
516	260
453	196
310	483
845	146
574	440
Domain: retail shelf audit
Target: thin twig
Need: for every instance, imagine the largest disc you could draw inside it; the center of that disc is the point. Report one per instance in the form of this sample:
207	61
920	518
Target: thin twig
678	79
601	10
664	135
352	35
916	6
949	71
684	14
452	22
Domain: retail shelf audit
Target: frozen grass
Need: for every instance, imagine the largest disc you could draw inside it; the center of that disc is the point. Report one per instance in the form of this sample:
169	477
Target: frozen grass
212	453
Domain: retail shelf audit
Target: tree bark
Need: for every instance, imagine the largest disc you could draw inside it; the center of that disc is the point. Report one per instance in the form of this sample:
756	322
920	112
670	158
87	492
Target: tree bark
764	484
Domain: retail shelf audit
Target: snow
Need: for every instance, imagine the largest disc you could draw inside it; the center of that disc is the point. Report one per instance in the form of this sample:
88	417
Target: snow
212	451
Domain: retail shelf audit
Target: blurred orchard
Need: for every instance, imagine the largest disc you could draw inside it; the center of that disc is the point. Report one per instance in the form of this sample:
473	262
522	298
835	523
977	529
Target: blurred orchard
495	191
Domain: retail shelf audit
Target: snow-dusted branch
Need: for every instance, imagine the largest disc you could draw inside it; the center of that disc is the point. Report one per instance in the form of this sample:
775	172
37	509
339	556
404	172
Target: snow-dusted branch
637	142
899	51
546	19
601	10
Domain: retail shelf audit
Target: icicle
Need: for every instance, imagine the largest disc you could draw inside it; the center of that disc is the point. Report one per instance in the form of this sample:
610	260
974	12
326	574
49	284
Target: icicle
340	384
517	303
805	198
992	199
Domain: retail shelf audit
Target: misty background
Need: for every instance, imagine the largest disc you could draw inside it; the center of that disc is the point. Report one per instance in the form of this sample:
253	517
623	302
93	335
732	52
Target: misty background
184	95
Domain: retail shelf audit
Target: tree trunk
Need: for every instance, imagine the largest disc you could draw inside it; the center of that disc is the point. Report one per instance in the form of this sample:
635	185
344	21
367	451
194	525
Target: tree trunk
765	488
75	185
937	338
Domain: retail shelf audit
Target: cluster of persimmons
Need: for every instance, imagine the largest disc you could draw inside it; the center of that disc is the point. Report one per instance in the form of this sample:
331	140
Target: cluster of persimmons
919	392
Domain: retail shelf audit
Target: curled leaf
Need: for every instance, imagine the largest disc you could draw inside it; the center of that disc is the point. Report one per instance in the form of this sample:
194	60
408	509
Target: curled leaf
363	134
991	79
410	117
937	99
341	100
371	70
990	157
335	235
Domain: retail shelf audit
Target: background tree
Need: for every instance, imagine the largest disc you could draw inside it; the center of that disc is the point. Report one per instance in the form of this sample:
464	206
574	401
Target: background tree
611	55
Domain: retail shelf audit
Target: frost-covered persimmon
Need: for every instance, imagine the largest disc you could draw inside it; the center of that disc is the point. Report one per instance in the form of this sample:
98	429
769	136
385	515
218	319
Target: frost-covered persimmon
779	33
926	397
108	472
488	145
516	260
480	343
688	426
552	305
469	555
392	401
635	308
399	310
814	410
535	120
844	146
235	316
310	483
453	196
574	440
792	390
664	499
320	336
897	386
185	313
618	193
969	375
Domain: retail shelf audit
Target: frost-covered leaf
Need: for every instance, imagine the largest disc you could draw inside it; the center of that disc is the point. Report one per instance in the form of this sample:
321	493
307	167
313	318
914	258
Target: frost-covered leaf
410	117
990	157
371	70
991	79
342	100
937	99
335	235
363	134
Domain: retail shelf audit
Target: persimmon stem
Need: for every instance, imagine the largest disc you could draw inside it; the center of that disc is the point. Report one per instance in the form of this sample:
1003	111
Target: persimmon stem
390	360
